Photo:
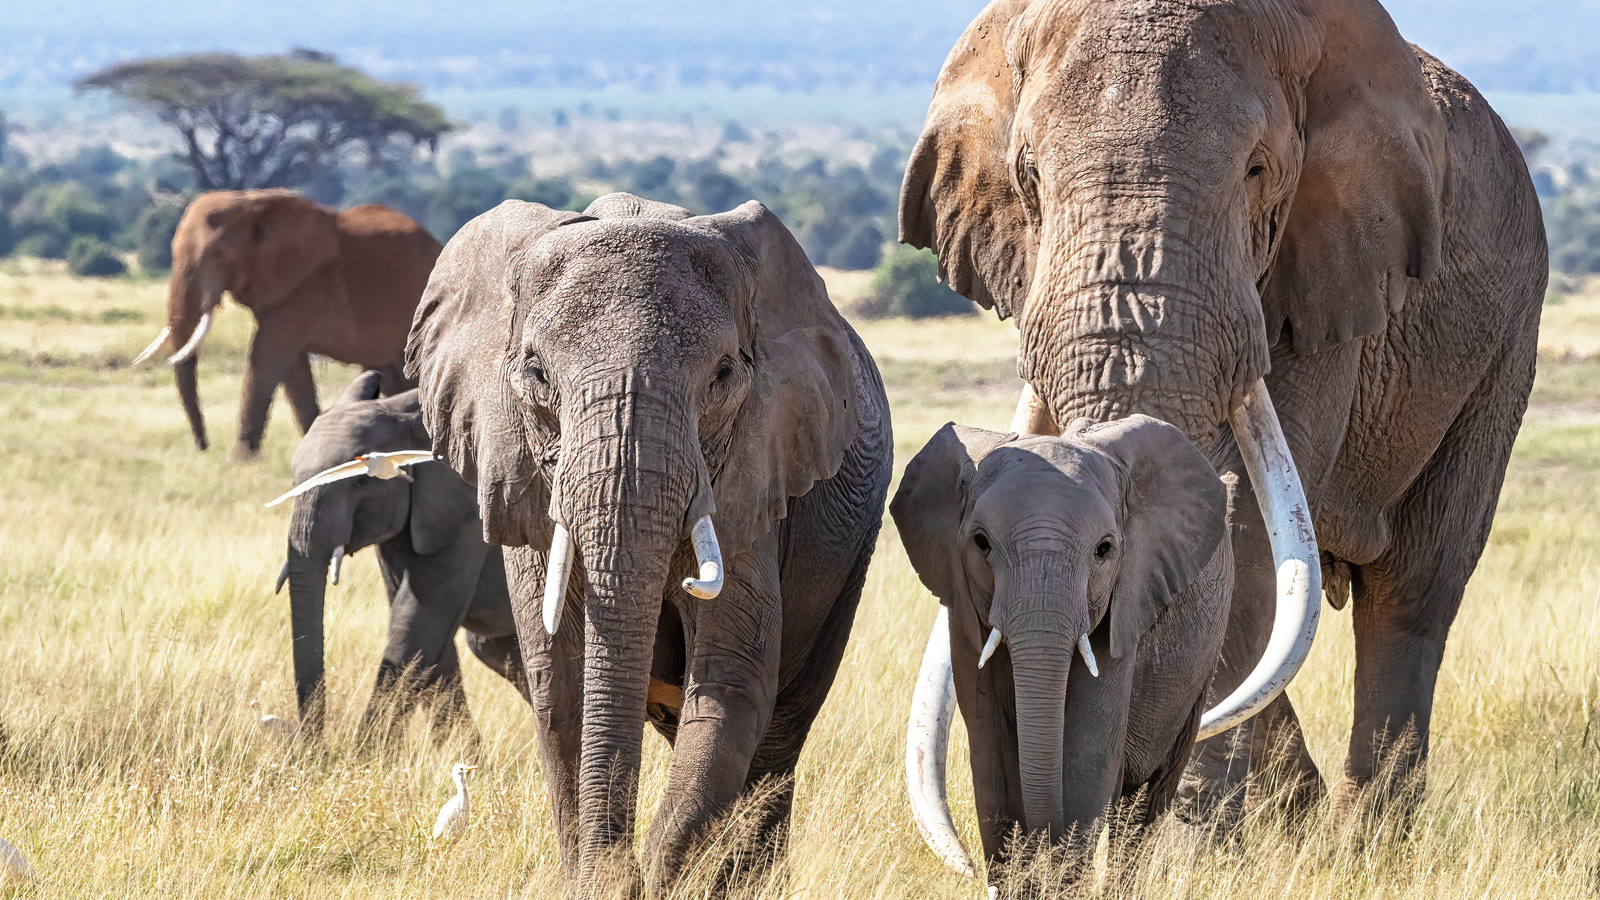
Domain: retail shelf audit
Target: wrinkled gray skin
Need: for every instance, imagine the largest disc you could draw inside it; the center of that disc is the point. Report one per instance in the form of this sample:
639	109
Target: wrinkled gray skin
439	573
1096	532
1175	199
630	370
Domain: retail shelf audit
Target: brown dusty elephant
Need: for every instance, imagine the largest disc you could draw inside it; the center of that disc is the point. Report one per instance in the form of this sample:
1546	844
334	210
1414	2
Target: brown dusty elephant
1190	206
1089	544
439	574
671	406
339	284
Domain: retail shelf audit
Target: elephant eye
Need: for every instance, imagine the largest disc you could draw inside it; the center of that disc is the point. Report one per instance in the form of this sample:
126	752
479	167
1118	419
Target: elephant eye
1104	549
981	541
538	375
724	369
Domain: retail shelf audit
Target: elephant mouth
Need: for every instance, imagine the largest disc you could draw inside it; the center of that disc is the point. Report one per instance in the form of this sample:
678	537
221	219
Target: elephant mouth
1272	473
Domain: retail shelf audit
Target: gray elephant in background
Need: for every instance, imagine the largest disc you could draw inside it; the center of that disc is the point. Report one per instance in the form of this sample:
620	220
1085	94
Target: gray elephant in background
1086	603
439	573
671	406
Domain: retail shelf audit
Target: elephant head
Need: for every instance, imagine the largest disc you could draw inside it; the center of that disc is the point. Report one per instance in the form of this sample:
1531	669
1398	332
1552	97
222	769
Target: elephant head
431	506
613	383
1162	193
1062	545
257	246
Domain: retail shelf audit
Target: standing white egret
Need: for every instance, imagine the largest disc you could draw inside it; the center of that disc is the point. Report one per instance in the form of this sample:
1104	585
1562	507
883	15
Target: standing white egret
276	726
457	810
14	866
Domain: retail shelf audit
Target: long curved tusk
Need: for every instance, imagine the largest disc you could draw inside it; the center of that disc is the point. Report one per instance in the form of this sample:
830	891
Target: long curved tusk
189	349
283	575
338	563
1032	417
1294	554
933	704
558	567
155	345
989	646
709	554
1087	652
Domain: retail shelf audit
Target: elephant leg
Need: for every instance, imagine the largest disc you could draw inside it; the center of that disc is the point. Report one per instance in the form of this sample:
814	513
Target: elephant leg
1406	600
504	656
301	389
555	683
735	646
445	692
272	355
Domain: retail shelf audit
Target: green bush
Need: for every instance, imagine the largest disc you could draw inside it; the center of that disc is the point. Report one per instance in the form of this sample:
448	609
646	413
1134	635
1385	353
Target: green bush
152	236
860	248
90	257
907	284
42	244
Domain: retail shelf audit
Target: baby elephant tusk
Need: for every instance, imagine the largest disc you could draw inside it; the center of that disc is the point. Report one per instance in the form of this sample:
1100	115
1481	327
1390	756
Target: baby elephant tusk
338	562
283	575
989	646
1087	653
709	554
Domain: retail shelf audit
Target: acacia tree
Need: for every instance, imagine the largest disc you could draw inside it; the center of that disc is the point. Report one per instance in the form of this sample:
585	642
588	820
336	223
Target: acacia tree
271	121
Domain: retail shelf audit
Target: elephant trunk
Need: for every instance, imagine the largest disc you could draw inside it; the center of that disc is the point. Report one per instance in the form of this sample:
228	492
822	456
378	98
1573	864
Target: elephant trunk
1041	628
626	484
315	535
191	301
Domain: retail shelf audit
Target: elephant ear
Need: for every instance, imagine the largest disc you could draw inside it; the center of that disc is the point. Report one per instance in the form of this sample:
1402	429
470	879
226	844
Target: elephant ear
1175	512
292	237
441	505
464	329
933	500
957	198
792	429
1365	222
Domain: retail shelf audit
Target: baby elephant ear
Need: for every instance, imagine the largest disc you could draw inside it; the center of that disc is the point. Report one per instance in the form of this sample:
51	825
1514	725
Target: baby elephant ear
365	387
800	414
1175	513
464	329
933	499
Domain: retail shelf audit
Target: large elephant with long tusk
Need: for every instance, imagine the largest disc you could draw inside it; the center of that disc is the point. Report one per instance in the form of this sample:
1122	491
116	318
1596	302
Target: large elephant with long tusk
668	410
1313	248
319	281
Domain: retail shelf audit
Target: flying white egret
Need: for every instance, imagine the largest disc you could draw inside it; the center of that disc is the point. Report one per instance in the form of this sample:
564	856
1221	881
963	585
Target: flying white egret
378	465
457	810
276	726
14	867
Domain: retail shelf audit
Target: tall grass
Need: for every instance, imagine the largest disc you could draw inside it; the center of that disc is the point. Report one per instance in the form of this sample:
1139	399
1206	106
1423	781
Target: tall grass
137	621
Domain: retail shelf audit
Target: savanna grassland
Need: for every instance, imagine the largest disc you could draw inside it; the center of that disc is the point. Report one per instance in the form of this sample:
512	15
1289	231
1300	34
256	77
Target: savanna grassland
137	621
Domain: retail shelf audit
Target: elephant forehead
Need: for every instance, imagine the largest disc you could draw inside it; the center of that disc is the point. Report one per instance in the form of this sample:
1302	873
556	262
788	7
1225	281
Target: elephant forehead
344	432
1050	469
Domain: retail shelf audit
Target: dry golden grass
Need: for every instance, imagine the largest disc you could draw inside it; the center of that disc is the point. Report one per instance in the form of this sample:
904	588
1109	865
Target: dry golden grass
137	622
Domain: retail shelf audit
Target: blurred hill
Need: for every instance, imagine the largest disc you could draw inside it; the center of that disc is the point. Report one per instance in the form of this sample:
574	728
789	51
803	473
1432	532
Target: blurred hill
830	46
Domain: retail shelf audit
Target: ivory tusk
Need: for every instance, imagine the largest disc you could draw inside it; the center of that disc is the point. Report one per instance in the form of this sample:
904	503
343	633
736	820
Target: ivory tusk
1087	652
189	349
1294	554
338	563
709	554
933	704
283	575
1032	417
155	345
558	568
989	646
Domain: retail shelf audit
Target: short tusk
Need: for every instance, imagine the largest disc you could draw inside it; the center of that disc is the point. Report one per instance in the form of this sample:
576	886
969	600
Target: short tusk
558	567
1294	553
933	705
338	563
709	554
1032	417
283	575
154	346
989	646
189	349
1087	652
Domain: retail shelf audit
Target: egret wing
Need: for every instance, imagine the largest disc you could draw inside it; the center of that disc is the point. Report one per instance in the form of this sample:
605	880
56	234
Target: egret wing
337	473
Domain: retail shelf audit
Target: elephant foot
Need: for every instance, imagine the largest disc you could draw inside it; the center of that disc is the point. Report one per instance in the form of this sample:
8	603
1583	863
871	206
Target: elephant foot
244	453
1212	793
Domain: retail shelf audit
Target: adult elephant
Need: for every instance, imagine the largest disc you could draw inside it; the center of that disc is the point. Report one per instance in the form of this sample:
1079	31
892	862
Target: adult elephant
672	402
439	573
340	284
1191	206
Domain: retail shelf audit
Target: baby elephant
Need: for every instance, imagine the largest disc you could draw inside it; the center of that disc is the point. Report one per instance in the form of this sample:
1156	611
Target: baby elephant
440	574
1084	580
